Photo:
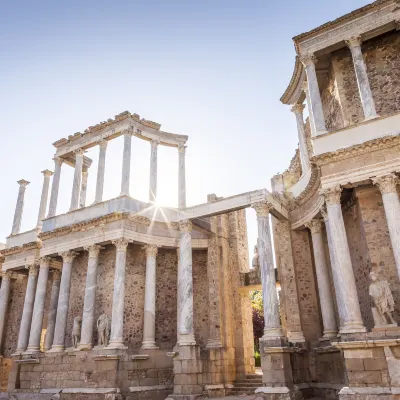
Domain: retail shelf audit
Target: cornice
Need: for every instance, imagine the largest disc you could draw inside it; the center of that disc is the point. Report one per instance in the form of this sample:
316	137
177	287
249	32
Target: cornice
295	82
19	249
311	187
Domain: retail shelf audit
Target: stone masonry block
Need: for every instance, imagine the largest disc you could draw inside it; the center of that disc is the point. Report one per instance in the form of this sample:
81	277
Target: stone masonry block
366	377
375	364
354	364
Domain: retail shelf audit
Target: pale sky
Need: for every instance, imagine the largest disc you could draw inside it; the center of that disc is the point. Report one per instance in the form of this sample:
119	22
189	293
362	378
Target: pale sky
213	70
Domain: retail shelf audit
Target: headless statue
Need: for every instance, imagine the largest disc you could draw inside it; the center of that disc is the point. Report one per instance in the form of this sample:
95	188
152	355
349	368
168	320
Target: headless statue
103	329
76	331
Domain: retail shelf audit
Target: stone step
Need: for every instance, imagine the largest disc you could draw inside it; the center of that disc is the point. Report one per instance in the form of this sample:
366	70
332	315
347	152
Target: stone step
248	384
240	390
254	376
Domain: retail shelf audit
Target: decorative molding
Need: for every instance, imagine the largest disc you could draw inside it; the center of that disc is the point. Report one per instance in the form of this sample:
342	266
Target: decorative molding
121	244
140	219
309	214
331	195
294	88
386	183
151	250
262	208
309	190
20	249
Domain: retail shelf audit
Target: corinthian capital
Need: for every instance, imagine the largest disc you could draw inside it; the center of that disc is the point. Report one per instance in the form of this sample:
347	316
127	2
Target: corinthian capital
181	148
353	42
79	152
151	250
68	256
297	108
102	143
386	183
185	226
262	208
44	262
47	173
128	131
308	59
23	183
93	250
33	269
121	244
331	195
315	225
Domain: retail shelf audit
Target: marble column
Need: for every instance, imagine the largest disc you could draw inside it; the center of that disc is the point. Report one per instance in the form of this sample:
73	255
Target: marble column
89	302
38	306
181	177
391	204
367	101
343	275
314	95
19	208
185	286
304	86
76	187
297	109
101	170
149	326
63	302
82	197
126	162
26	319
324	285
45	194
4	299
153	172
272	325
55	186
178	309
52	313
117	316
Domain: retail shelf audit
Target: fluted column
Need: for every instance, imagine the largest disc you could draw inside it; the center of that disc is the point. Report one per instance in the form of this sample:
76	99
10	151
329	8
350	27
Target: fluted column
38	306
345	284
153	172
272	326
55	186
324	286
314	95
90	298
52	314
19	208
304	86
101	170
185	285
181	177
149	326
63	302
391	204
367	101
45	194
297	109
117	316
76	186
4	299
126	162
82	197
26	319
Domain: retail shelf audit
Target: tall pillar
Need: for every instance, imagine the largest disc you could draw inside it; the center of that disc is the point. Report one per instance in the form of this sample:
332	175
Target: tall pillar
153	172
63	302
51	316
38	306
304	86
82	197
387	186
19	208
117	316
4	299
149	326
26	319
364	88
55	186
181	177
101	170
178	310
297	109
272	325
324	285
76	187
185	285
45	194
346	289
90	298
126	162
315	97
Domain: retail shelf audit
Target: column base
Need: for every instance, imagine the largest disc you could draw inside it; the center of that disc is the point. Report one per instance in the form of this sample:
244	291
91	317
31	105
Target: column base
353	328
214	344
187	340
278	393
296	337
116	345
56	349
371	117
32	350
273	333
149	345
328	335
83	347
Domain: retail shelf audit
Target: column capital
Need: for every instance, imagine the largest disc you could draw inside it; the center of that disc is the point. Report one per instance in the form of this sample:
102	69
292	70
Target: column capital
262	208
7	275
185	226
181	148
154	143
386	183
331	195
23	183
151	250
47	173
128	131
33	269
94	250
297	108
304	86
79	152
102	143
68	256
354	41
315	225
44	262
56	274
308	59
58	160
121	244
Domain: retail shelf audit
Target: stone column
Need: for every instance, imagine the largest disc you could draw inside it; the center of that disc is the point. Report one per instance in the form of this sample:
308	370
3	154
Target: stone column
117	316
304	86
51	316
185	286
38	306
387	186
364	89
314	95
181	177
54	187
76	187
45	194
4	299
272	325
63	302
178	309
82	198
153	172
26	319
149	326
101	170
19	208
297	109
324	286
345	284
90	298
126	162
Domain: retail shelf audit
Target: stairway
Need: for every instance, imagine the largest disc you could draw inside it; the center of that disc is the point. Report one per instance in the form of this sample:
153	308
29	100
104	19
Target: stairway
247	385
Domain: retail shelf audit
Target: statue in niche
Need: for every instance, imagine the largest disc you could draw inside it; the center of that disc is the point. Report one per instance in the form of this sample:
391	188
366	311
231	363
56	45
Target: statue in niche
103	329
76	331
256	261
381	294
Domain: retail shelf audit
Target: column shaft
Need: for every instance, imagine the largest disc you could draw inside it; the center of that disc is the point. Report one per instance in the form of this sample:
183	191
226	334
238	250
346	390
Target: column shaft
178	308
126	162
51	316
153	172
45	194
82	198
181	177
19	207
55	186
297	109
4	299
100	171
309	108
76	187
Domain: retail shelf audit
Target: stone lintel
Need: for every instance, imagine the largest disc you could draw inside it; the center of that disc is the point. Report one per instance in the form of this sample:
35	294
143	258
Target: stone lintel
362	344
135	389
138	357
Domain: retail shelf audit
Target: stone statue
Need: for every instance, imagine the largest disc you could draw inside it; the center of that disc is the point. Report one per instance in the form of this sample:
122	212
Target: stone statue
103	329
76	331
256	262
380	292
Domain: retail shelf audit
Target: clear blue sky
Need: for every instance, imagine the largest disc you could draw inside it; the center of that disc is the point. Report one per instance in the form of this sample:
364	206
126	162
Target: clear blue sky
213	70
